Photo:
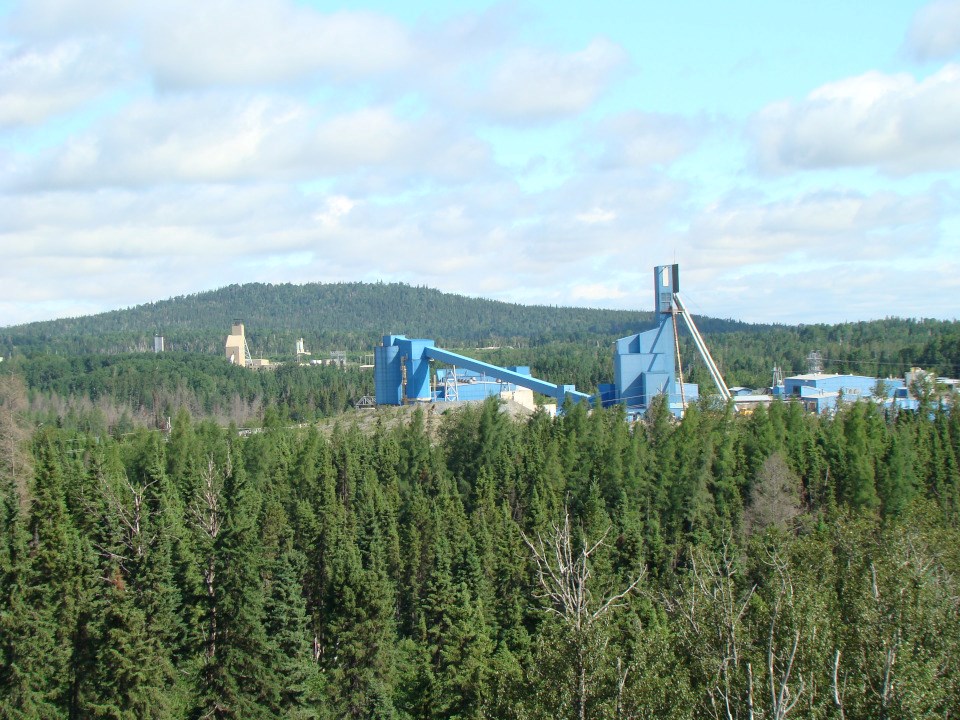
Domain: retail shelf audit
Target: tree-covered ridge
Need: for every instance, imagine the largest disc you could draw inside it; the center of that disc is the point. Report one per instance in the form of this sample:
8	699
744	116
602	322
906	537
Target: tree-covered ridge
777	565
881	348
348	315
555	340
113	393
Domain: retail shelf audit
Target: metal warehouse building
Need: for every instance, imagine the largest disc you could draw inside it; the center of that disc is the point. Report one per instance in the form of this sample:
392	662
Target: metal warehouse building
822	392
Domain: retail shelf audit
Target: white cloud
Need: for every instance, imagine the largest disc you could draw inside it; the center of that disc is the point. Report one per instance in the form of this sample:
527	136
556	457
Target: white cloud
250	42
552	251
118	247
894	122
813	228
640	139
596	215
540	85
483	238
371	136
468	37
935	31
56	18
232	42
40	81
829	292
201	221
337	206
221	137
596	291
185	139
747	257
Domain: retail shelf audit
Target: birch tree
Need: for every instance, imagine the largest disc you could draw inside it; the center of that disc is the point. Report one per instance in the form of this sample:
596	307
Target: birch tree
712	611
579	600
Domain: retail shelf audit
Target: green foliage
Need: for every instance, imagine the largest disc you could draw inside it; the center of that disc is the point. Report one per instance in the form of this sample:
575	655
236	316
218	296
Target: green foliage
94	374
349	316
783	564
101	393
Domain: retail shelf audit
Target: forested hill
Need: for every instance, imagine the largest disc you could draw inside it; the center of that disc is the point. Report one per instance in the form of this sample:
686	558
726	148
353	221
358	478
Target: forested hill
351	316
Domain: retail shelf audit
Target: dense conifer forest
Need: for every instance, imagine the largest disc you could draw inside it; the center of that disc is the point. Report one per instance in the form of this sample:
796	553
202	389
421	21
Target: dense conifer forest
351	316
156	561
468	565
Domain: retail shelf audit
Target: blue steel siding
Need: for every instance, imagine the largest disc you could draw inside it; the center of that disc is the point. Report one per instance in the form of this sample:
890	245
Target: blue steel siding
644	365
852	388
387	375
691	391
608	394
472	385
628	372
656	384
480	390
418	368
628	345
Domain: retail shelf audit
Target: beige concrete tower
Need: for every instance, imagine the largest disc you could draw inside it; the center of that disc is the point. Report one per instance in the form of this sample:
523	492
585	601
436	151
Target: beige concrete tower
236	346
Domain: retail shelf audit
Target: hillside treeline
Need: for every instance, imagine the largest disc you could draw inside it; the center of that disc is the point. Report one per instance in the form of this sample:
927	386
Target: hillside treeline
112	393
340	316
470	566
352	317
103	394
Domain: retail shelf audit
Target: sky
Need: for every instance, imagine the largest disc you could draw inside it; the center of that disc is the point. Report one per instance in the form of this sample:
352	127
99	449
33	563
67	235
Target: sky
800	161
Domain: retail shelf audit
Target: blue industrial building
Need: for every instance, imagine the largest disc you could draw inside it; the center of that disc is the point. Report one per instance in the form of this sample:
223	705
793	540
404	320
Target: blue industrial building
468	385
823	392
645	366
402	374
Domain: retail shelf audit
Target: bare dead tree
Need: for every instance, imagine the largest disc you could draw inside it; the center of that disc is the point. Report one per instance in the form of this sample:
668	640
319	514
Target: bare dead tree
207	515
780	670
128	503
623	671
839	690
15	459
890	646
775	497
564	575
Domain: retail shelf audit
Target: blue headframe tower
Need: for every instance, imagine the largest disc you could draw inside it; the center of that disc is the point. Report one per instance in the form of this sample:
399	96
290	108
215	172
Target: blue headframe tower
645	364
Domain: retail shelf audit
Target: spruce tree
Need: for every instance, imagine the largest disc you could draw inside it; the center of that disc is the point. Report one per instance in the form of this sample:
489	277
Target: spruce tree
133	676
237	678
358	658
859	480
46	601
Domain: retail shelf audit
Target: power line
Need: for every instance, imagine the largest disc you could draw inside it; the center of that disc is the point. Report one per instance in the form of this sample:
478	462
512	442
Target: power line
910	363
